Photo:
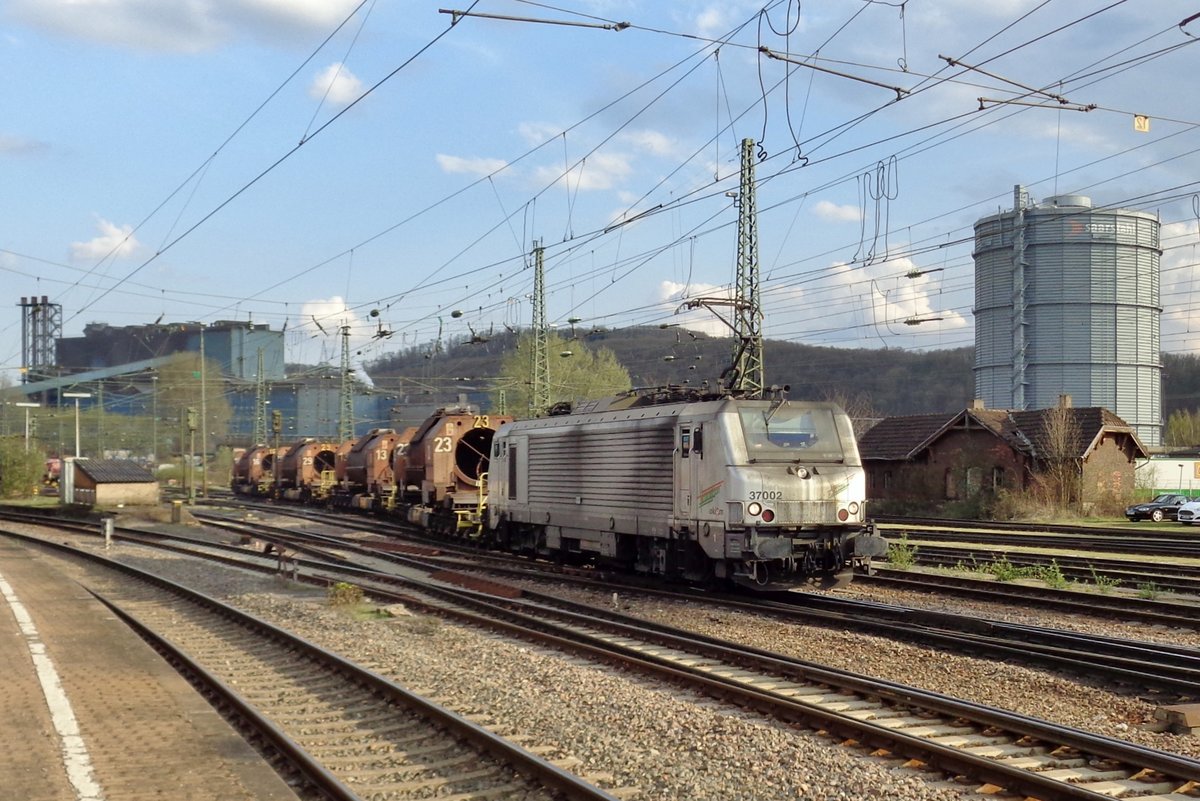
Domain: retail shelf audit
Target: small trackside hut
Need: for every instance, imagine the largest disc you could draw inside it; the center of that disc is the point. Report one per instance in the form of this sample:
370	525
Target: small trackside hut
108	482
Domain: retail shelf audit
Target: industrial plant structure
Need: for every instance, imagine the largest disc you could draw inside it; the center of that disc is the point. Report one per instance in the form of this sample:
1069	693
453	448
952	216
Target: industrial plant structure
1067	303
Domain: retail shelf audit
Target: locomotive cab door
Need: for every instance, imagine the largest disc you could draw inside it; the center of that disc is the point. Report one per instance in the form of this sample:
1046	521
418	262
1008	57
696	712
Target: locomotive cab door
688	453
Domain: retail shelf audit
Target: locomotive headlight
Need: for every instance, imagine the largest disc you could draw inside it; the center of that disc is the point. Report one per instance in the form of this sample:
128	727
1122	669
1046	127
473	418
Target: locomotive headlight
853	507
802	472
754	509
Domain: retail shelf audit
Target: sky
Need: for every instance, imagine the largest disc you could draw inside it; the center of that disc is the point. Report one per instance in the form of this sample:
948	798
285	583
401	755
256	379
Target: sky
382	165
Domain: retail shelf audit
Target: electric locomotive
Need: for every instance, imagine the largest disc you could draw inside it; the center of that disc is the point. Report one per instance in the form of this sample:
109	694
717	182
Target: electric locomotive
759	492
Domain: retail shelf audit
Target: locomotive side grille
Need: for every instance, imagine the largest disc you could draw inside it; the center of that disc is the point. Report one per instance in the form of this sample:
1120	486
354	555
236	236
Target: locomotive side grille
620	470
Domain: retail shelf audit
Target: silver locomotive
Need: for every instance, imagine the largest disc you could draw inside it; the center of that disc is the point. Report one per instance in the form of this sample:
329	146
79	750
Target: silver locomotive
760	492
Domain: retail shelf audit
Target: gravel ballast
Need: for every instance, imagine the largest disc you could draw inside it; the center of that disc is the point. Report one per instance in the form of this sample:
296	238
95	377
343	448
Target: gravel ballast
655	741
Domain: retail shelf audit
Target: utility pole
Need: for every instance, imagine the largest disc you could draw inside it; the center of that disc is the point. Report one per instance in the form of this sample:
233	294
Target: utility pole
203	421
748	373
346	415
100	419
190	419
276	428
539	398
260	403
154	422
745	374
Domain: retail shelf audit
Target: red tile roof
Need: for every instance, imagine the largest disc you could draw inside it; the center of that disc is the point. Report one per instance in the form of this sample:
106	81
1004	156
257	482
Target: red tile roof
901	438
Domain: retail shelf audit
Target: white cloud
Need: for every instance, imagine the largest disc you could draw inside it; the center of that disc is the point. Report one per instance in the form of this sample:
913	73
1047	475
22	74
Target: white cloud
114	241
324	319
655	143
672	295
535	133
337	84
18	145
718	19
598	171
898	300
835	213
1179	281
171	26
471	166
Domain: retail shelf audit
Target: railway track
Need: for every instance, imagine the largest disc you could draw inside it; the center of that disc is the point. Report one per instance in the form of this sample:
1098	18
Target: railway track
1166	671
1015	752
350	732
1138	666
1151	579
1175	614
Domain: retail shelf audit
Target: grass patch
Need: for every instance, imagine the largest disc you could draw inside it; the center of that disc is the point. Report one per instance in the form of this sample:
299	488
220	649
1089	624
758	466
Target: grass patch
1053	576
902	554
1104	584
1149	591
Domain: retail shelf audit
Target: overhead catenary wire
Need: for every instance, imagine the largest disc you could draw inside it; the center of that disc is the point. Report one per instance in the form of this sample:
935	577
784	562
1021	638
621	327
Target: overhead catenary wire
667	206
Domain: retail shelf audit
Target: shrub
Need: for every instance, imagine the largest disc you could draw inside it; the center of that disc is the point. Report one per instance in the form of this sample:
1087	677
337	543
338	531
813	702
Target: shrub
1004	570
20	470
902	554
345	594
1149	591
1104	584
1053	576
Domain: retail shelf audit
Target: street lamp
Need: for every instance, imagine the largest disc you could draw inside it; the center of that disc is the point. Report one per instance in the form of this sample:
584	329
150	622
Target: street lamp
154	424
77	396
27	407
1181	478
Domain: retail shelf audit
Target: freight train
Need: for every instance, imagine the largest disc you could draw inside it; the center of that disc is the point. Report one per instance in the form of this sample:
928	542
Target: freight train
665	482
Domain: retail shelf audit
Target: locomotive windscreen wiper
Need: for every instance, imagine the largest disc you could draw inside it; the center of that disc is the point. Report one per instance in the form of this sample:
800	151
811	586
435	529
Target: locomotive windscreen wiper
775	404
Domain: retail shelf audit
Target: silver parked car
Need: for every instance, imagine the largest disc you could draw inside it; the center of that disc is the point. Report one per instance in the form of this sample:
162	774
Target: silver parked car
1189	513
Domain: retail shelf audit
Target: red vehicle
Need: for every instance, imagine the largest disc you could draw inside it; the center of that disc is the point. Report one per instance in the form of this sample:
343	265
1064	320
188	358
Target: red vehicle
51	475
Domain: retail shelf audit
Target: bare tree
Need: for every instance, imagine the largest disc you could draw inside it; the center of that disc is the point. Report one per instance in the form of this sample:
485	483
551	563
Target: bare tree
863	414
1059	454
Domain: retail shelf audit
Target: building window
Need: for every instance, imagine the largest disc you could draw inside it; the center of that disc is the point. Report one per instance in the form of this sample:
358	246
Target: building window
997	478
974	480
951	485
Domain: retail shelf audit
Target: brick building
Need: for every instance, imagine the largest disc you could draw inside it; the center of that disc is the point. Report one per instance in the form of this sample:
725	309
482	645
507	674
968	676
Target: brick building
949	456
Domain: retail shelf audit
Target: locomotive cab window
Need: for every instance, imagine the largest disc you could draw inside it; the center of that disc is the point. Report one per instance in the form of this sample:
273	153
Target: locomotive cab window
685	442
698	441
781	431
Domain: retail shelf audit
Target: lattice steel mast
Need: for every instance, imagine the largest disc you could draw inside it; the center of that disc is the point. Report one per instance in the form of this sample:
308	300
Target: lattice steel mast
346	416
539	398
748	372
745	374
260	403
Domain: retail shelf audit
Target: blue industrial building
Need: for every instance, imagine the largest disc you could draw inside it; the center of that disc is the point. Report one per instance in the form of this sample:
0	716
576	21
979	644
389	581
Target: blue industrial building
118	368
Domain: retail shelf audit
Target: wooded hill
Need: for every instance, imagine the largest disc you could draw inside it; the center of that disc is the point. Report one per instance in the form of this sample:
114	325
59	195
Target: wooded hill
870	382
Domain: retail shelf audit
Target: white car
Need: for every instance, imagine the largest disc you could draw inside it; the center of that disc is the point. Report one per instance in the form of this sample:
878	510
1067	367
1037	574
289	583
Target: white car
1189	513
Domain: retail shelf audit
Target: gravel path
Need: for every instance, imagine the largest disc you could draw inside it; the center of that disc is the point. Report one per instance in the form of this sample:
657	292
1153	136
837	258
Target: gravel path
660	743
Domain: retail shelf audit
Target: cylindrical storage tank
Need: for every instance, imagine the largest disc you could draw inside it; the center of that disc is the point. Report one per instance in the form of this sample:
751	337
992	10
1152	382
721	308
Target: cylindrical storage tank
1067	303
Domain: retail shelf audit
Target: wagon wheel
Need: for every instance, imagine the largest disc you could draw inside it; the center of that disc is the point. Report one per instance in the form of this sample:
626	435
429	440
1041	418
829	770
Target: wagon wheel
1156	515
